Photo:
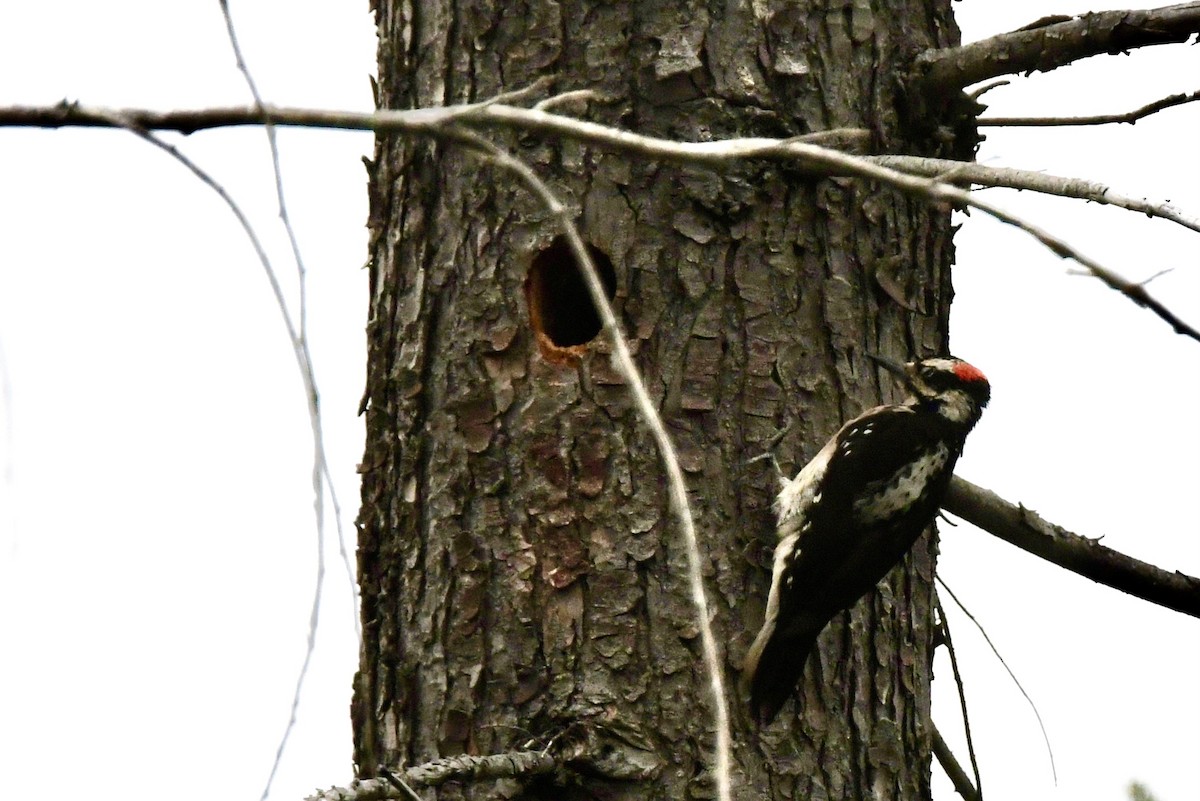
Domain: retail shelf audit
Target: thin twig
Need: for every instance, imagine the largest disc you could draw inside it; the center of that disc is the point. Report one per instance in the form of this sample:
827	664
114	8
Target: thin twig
321	476
649	414
433	122
1129	117
829	161
1025	529
958	777
306	375
962	693
984	88
1011	675
522	94
269	127
577	97
320	461
966	172
399	784
1130	289
1157	275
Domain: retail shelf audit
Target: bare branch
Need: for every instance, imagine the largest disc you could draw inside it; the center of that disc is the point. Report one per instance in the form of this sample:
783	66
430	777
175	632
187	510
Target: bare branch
399	784
981	175
680	504
306	374
962	695
433	122
1130	117
1026	530
1043	47
518	764
945	757
984	88
358	790
477	768
578	97
611	750
67	114
321	478
1011	675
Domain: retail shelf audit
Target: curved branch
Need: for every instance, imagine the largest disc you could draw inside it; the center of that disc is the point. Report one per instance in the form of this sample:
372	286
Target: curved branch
1082	189
1087	557
962	701
1043	47
73	115
677	487
322	480
437	121
996	651
1129	117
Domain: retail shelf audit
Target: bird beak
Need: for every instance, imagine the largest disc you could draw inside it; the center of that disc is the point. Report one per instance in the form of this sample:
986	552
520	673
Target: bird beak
900	370
889	365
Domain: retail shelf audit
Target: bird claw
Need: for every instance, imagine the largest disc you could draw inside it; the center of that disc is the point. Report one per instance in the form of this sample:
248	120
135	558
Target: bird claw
769	454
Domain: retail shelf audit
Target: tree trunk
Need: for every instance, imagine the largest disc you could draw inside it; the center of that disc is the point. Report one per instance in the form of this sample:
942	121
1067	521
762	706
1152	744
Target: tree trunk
521	572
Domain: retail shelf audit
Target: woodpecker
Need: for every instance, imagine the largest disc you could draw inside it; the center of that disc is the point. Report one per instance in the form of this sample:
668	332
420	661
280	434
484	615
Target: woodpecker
853	512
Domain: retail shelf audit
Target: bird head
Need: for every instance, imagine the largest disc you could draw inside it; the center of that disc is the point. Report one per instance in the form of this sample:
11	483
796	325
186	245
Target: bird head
957	389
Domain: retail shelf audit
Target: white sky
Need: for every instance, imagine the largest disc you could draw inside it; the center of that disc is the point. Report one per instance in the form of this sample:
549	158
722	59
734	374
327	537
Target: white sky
156	538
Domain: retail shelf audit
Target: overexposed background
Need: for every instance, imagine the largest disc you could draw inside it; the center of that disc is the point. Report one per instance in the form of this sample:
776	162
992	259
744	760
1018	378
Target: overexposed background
157	547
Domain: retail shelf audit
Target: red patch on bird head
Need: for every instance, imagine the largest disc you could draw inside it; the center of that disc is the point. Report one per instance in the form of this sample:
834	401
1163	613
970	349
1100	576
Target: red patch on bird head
969	372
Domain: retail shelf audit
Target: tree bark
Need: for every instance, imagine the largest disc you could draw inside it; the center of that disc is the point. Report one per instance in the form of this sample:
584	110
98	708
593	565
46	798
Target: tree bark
521	574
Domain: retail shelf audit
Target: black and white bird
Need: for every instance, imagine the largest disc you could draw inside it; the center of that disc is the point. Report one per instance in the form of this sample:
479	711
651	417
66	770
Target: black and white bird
854	511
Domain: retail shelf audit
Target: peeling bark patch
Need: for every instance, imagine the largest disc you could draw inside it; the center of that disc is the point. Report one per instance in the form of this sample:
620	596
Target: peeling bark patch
560	308
476	423
561	618
679	52
702	369
561	556
456	727
529	685
545	454
591	455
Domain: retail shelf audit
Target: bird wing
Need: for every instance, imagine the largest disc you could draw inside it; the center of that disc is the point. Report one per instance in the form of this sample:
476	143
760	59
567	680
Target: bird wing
885	446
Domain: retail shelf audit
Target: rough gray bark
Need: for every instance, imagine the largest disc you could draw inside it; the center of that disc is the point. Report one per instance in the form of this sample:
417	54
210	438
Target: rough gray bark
520	571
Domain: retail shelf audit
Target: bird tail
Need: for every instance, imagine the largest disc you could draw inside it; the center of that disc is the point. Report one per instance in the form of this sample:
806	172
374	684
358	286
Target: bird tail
772	669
